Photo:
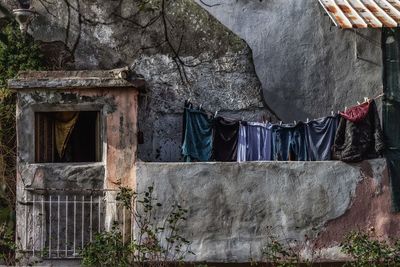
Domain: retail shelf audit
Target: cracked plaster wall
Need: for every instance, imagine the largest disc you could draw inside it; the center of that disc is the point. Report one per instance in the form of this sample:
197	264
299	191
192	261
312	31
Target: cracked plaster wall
235	207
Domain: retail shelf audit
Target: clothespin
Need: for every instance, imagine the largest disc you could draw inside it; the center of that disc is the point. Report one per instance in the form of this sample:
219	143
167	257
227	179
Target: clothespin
358	103
366	99
294	122
345	108
308	120
280	123
216	112
332	113
201	105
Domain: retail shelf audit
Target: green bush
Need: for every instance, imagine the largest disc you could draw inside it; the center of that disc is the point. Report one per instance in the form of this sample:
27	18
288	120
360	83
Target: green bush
107	249
154	243
17	53
368	251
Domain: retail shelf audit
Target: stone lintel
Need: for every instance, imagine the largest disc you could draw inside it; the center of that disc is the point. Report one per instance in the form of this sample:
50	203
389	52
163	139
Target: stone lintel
118	78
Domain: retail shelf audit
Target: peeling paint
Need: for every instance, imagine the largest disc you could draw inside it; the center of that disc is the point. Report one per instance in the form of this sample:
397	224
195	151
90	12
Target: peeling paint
370	209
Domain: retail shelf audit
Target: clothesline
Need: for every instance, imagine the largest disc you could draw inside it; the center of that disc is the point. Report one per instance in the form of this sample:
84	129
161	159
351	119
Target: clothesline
352	137
170	103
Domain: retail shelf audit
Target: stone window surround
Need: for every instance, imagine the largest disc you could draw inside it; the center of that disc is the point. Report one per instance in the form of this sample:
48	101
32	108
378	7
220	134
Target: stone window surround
69	107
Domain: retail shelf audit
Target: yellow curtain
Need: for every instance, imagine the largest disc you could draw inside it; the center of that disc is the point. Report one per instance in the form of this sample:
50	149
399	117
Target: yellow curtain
64	123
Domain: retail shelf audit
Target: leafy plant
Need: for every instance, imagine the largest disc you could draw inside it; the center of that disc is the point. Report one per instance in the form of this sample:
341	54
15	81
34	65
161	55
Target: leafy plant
279	255
286	252
107	249
17	52
7	245
153	243
368	251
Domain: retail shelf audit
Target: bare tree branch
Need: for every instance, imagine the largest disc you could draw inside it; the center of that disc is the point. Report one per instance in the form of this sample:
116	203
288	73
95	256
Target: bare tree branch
78	38
209	5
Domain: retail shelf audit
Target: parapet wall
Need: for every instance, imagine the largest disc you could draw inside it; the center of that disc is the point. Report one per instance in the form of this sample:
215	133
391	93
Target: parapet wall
231	205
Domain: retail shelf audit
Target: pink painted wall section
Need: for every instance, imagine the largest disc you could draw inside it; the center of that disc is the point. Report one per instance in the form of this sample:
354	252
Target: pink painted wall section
121	135
369	211
122	140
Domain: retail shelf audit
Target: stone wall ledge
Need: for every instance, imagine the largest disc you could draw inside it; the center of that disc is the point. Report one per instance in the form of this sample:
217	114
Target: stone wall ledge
377	161
64	176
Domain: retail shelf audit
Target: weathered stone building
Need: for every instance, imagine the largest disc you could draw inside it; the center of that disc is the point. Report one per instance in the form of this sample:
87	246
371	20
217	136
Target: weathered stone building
245	59
101	144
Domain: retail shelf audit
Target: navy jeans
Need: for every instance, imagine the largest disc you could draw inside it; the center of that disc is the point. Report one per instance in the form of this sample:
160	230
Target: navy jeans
290	143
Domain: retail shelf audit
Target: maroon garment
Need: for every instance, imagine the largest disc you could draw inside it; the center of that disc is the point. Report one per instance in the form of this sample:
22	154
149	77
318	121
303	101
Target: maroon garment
357	113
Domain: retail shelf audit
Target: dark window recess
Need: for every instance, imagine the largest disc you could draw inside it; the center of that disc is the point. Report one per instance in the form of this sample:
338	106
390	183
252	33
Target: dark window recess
70	136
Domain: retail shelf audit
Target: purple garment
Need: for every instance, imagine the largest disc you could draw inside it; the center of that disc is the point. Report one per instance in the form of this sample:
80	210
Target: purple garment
254	142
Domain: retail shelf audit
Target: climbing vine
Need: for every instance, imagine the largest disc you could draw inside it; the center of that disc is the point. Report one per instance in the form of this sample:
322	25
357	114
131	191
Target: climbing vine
17	53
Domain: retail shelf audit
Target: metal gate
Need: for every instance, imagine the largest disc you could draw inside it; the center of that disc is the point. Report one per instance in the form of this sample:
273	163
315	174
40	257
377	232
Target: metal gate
60	223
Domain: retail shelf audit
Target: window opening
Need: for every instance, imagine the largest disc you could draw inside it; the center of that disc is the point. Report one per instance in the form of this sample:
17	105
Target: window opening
67	136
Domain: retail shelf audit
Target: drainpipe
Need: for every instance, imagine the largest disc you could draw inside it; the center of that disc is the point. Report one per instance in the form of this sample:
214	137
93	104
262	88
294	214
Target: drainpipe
391	108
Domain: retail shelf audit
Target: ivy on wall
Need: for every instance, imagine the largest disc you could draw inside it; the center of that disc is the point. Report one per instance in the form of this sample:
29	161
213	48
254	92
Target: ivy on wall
17	53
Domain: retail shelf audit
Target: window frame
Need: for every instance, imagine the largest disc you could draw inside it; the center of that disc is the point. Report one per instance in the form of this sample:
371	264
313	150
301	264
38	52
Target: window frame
36	108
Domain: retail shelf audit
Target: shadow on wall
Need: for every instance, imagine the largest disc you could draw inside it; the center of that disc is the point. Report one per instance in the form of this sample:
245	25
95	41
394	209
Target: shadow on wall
307	67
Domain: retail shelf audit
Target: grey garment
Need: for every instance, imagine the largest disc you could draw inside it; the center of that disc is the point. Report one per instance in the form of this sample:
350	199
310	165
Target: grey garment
255	142
320	137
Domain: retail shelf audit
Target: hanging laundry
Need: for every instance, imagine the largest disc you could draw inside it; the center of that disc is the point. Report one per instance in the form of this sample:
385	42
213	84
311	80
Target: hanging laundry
290	142
197	134
189	106
320	137
359	135
255	142
225	143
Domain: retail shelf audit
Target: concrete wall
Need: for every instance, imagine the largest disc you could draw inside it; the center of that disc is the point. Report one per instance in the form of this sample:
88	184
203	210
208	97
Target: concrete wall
233	205
307	66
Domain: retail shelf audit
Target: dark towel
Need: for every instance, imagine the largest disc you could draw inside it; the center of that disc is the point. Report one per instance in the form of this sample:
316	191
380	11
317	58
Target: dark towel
225	139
